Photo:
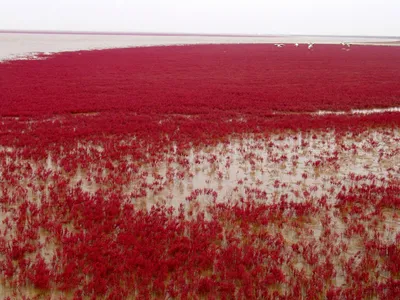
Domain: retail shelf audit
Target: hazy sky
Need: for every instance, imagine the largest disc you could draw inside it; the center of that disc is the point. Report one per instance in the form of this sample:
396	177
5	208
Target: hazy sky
340	17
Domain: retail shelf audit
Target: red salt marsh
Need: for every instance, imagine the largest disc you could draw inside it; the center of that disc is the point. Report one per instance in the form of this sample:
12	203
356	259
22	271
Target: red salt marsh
198	171
204	79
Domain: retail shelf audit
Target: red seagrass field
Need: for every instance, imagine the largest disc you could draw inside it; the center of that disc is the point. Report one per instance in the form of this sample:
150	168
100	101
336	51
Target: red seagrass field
241	171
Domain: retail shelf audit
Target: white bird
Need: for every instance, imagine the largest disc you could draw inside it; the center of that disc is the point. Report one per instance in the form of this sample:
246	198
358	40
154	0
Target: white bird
346	46
279	45
310	45
297	44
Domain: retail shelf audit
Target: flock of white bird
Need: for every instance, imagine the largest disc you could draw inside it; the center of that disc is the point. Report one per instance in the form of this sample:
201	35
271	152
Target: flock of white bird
311	45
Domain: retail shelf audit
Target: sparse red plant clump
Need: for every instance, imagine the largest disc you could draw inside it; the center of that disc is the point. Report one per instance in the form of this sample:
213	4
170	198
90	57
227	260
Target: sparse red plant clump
199	172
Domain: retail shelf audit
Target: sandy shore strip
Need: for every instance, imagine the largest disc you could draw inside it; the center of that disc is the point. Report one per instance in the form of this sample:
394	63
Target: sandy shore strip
26	45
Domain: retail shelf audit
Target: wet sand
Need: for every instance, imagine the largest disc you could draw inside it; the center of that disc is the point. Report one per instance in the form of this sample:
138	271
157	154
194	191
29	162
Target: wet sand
20	45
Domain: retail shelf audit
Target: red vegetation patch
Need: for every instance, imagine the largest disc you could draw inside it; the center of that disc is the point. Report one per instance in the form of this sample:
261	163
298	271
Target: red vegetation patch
94	144
209	79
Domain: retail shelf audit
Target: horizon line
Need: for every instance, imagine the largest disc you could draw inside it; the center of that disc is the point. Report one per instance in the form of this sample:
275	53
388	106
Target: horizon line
142	33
